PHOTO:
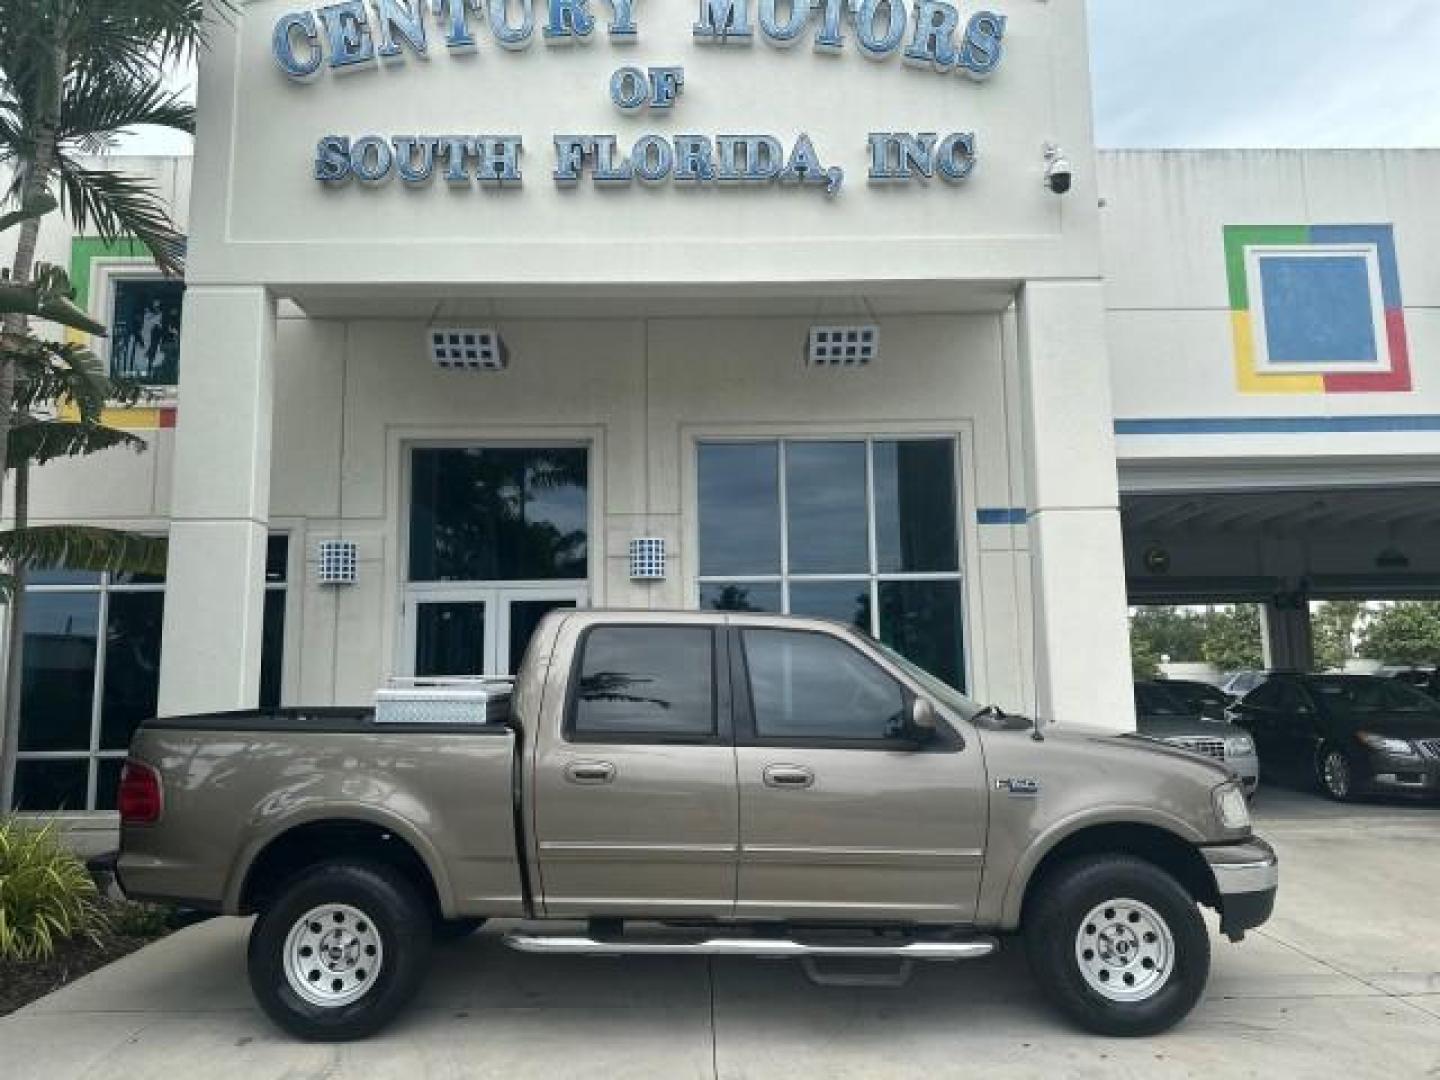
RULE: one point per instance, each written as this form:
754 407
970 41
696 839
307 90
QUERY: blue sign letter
349 33
283 44
934 42
723 21
569 19
399 15
983 49
878 46
622 20
511 37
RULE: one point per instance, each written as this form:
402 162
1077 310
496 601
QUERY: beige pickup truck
697 784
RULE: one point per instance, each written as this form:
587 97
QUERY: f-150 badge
1019 787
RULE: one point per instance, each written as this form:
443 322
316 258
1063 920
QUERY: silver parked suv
1162 714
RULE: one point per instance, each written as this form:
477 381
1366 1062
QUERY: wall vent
337 562
647 559
467 349
843 346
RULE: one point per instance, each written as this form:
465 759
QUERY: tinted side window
810 686
656 681
1289 698
1264 697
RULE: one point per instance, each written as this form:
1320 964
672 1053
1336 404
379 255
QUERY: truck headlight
1231 807
1386 745
1239 746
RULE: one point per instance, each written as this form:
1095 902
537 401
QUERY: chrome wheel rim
1125 950
333 955
1335 771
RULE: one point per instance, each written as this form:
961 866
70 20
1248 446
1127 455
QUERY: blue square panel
1318 309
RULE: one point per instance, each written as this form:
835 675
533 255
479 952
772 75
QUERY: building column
1082 633
1287 634
220 507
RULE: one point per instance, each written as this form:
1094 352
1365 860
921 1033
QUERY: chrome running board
764 948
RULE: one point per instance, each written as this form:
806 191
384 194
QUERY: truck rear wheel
1118 945
339 950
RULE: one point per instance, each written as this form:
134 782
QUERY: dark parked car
1349 734
1200 697
1242 682
1426 679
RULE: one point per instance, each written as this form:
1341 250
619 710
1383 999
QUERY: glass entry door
477 630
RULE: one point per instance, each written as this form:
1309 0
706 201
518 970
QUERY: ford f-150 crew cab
699 784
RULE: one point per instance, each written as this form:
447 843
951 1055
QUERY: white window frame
1255 257
105 273
874 577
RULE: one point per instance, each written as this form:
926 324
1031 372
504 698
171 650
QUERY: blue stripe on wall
1278 425
1003 516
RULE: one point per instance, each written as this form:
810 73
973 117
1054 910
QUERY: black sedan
1349 734
1201 698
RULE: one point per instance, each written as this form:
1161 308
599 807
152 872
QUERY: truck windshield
943 693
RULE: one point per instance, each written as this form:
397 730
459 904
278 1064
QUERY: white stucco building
635 357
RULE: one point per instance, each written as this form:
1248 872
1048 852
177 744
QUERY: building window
865 531
499 514
84 692
145 329
272 649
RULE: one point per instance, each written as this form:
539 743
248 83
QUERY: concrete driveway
1345 981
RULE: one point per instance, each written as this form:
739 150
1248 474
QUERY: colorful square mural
1317 310
140 344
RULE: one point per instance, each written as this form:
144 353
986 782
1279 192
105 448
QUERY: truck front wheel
1118 945
339 950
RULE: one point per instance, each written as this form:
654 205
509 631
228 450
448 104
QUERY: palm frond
96 107
48 373
83 547
48 295
118 206
38 442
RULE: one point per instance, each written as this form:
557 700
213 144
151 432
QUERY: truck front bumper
1247 877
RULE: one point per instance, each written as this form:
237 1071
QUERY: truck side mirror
923 723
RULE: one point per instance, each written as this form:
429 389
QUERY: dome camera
1059 174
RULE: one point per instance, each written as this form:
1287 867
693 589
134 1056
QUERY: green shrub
46 894
129 919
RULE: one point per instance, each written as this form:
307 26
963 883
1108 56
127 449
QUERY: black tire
390 908
451 930
1055 918
1334 773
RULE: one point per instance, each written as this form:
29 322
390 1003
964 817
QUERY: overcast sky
1245 73
1236 73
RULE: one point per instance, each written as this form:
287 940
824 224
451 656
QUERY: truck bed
243 782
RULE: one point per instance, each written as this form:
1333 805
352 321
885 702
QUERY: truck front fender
1146 821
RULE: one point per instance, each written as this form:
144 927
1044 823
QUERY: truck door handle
590 772
789 776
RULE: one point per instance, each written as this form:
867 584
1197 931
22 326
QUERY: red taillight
140 801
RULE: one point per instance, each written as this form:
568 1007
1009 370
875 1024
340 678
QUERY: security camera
1059 175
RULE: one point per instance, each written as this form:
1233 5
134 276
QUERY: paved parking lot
1345 981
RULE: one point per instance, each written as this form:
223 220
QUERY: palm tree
47 375
73 75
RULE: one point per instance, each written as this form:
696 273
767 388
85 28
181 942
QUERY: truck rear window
646 681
